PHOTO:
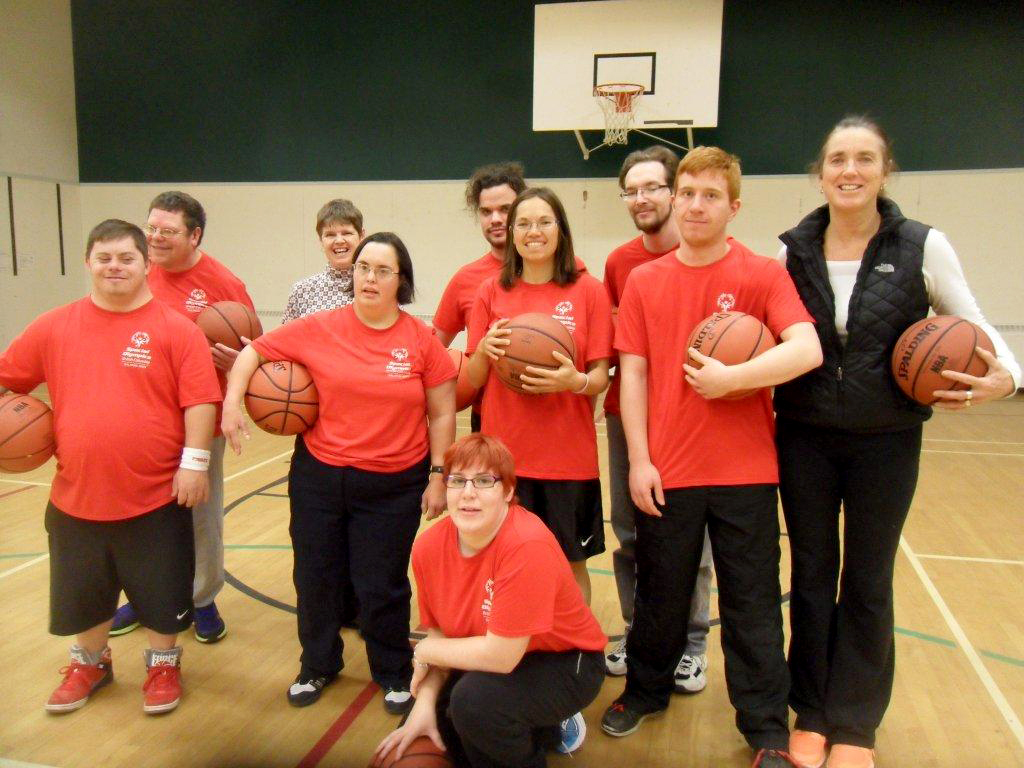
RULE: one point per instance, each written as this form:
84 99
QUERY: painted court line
965 644
24 482
976 453
958 559
16 490
23 566
263 463
338 728
4 763
957 440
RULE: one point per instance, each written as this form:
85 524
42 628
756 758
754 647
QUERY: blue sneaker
125 620
573 731
209 625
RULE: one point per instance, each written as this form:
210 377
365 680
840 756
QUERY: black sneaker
773 758
397 700
621 720
305 690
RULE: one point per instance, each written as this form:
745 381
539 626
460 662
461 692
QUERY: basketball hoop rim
622 95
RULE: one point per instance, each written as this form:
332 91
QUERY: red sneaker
80 680
162 688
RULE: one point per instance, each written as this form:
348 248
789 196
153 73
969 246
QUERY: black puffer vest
854 388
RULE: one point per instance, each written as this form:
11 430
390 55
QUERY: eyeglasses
381 273
522 226
163 231
647 191
479 482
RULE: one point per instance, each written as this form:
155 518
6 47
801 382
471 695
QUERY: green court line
923 636
21 554
602 571
1004 659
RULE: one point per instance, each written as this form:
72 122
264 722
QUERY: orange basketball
282 399
933 345
534 337
227 321
731 338
465 393
421 753
26 433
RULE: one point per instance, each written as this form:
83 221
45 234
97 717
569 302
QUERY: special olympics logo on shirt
726 301
563 307
196 301
485 606
400 367
563 314
198 294
134 356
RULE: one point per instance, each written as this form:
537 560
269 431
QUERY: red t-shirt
118 383
620 263
520 584
372 385
457 300
693 441
552 437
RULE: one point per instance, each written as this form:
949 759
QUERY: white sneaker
574 731
689 675
615 661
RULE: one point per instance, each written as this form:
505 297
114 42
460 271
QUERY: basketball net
618 101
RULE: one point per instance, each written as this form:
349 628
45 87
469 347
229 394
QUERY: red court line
338 728
16 490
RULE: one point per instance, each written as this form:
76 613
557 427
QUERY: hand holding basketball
712 379
994 385
545 381
419 734
496 339
224 356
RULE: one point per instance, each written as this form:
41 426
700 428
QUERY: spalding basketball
282 399
933 345
731 338
465 393
421 753
226 322
26 433
534 337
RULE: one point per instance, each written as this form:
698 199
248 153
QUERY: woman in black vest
847 435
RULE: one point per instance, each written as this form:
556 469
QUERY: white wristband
195 458
586 383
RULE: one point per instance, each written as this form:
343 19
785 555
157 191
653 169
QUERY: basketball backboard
671 47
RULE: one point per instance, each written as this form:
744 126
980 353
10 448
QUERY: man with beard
645 181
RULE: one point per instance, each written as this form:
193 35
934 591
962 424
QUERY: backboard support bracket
587 152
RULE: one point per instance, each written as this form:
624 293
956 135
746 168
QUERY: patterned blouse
329 289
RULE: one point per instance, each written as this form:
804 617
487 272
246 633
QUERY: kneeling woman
512 651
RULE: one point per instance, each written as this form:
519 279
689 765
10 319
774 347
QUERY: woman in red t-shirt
550 428
359 476
512 652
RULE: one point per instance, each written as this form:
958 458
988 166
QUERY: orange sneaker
162 688
849 756
807 748
80 680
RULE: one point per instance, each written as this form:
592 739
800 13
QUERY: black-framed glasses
479 482
648 190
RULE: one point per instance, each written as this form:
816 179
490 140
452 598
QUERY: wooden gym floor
957 701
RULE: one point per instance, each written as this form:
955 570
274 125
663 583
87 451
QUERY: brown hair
857 121
338 212
701 159
190 209
115 229
493 175
565 256
653 154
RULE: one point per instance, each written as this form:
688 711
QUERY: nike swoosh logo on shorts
586 541
182 615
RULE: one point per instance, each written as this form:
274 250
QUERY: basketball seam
546 335
927 354
19 431
229 325
735 319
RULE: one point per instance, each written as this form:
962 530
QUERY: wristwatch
435 469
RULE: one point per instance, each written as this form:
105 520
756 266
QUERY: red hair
483 451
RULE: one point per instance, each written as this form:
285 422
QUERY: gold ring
970 394
968 402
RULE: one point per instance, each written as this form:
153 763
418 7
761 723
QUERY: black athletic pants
491 720
841 655
351 523
743 524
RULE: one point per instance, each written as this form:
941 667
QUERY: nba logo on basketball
726 301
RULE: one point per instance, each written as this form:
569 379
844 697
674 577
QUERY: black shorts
572 509
151 557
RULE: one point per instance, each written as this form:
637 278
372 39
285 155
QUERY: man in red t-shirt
188 279
127 370
646 183
699 460
490 192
